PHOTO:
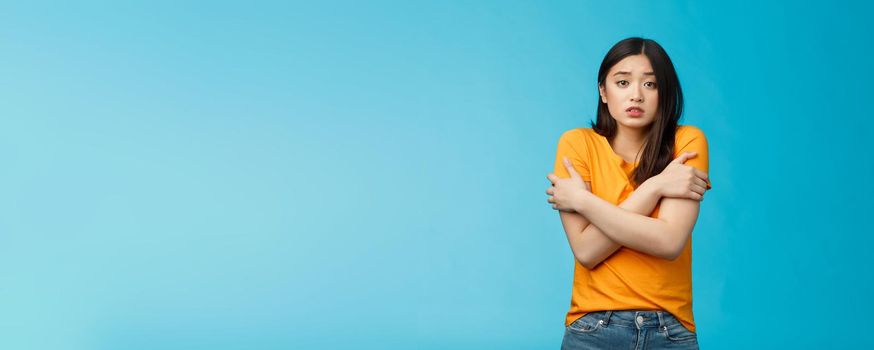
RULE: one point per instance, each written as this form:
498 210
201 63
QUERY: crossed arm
589 244
663 237
597 228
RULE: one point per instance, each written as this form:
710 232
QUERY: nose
637 94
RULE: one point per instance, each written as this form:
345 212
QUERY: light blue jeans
628 329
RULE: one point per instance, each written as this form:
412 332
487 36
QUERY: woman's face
630 92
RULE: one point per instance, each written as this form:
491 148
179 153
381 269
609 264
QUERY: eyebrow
629 73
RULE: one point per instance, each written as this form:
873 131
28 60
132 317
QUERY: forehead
636 64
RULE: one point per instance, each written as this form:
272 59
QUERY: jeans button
640 320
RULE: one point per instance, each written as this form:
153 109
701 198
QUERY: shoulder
688 133
690 138
577 134
579 141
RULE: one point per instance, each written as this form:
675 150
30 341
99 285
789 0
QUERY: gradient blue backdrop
193 175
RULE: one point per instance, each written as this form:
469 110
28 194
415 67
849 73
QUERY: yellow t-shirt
628 279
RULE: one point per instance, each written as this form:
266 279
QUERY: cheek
652 101
652 97
615 98
615 108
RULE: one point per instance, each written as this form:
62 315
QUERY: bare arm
663 237
676 182
591 246
666 235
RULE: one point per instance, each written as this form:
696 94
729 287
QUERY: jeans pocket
586 324
676 332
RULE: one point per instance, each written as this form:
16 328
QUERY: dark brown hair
658 149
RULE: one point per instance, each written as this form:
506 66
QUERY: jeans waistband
632 318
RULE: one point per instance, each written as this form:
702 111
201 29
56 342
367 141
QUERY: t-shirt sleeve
693 140
572 145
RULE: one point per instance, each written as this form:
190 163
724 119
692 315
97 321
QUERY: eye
650 84
622 83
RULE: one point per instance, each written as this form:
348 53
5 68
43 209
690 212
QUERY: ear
603 92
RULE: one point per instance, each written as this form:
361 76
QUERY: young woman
628 192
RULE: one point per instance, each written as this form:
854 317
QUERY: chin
636 123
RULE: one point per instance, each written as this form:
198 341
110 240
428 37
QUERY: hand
565 193
679 180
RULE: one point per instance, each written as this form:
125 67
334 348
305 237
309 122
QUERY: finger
549 191
698 181
699 189
552 178
684 157
550 200
570 168
696 196
700 174
680 159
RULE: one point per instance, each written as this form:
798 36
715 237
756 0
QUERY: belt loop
607 317
662 324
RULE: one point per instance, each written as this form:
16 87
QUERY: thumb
570 169
684 157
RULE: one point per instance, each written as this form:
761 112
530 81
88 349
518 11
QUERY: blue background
181 175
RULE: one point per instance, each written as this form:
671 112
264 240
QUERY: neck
630 137
628 142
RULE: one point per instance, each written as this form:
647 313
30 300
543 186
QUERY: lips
634 112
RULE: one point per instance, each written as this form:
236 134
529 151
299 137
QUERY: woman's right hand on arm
679 180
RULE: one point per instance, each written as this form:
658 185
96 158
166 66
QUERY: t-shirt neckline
616 158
